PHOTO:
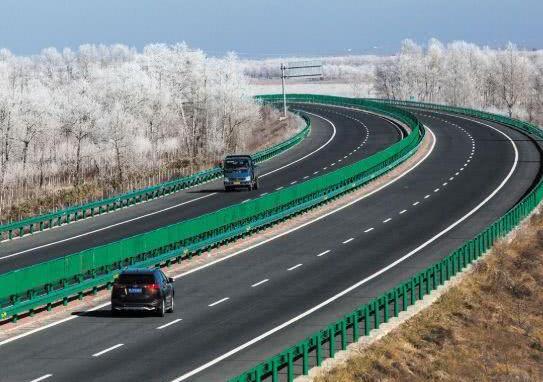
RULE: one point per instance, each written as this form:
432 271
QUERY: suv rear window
136 279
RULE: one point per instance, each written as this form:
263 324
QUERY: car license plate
236 182
134 290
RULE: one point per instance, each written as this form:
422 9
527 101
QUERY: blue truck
240 172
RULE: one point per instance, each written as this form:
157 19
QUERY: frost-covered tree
513 75
465 74
112 114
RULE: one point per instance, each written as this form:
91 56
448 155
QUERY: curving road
325 149
238 311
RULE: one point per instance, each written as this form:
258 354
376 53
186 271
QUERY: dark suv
240 171
142 290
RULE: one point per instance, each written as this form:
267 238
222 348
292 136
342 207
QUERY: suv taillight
153 287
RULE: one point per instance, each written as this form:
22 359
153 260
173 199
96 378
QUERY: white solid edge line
22 335
260 283
106 227
218 302
323 253
107 350
311 153
170 323
294 267
42 378
177 205
361 282
241 251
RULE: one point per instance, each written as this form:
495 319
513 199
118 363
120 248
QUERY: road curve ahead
338 137
251 306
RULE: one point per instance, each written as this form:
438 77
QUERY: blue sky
258 28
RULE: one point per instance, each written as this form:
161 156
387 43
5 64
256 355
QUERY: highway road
338 137
241 310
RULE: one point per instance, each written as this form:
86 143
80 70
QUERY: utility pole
298 69
283 67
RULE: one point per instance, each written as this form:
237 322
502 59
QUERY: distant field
336 88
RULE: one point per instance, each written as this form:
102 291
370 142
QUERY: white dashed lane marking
387 220
323 253
43 377
107 350
368 230
348 240
169 323
294 267
260 283
218 302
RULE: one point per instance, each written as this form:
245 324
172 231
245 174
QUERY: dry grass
487 328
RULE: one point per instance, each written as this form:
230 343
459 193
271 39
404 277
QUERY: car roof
138 271
237 156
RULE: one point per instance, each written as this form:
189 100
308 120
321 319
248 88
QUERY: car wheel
115 312
161 309
171 307
226 188
256 184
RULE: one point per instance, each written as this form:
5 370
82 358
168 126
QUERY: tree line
110 112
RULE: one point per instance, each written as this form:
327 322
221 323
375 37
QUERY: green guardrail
311 351
78 212
23 290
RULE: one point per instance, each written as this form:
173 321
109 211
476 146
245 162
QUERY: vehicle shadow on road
107 314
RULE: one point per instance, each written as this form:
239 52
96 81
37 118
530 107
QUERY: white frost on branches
464 74
110 110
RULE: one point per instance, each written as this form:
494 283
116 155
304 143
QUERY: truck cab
239 172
